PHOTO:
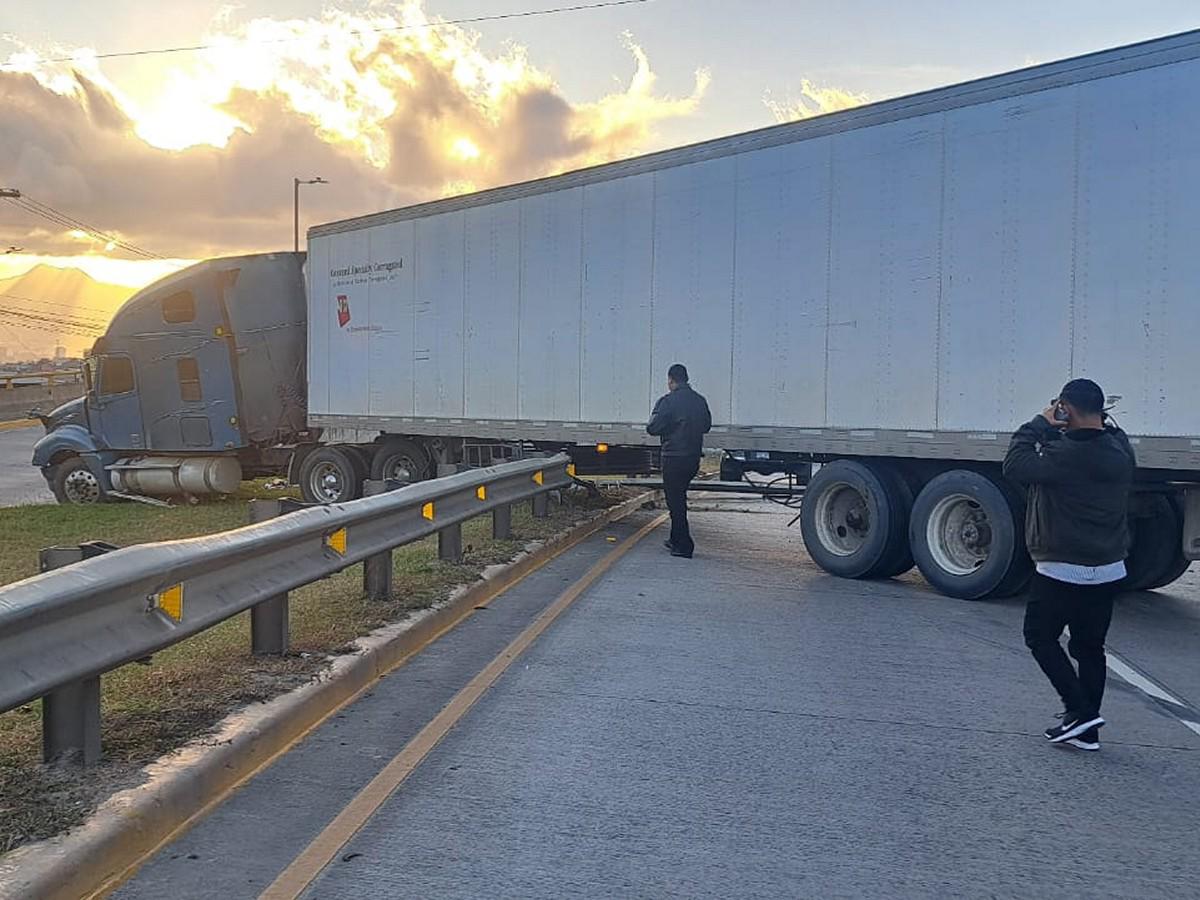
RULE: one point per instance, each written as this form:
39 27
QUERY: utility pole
296 182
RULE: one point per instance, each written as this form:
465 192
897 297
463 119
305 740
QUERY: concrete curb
96 857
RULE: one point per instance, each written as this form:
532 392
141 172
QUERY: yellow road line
492 591
301 872
18 423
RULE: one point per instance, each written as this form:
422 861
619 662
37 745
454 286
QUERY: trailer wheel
402 460
967 536
73 482
901 495
361 458
1155 556
852 520
329 475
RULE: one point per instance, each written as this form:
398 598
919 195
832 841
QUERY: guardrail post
71 714
268 619
450 545
502 523
71 723
377 569
541 505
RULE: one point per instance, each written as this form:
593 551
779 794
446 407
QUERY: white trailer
888 291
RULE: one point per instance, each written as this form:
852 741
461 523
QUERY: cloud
387 110
813 100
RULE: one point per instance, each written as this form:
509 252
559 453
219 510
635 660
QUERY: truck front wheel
329 475
967 536
854 520
73 482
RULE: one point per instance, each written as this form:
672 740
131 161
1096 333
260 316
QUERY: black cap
1083 394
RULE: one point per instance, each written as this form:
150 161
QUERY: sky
189 155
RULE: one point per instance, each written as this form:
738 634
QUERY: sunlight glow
135 273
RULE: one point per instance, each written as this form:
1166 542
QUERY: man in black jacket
681 419
1079 470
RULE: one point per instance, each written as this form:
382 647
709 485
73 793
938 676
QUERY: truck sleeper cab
196 377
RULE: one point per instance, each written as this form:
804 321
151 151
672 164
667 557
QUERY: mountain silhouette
47 307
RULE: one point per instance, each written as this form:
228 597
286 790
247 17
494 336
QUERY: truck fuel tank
177 475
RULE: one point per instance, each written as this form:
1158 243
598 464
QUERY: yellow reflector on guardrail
427 511
170 602
337 541
539 478
481 492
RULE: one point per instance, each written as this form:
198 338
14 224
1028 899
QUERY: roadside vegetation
149 710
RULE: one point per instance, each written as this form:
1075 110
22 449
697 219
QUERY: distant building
60 352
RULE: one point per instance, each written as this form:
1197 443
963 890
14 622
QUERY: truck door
189 396
114 414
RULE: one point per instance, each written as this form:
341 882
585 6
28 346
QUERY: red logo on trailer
343 310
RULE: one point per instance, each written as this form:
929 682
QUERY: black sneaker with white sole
1072 726
1089 740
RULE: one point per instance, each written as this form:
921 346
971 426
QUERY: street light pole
11 194
296 182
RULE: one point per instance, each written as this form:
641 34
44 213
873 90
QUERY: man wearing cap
1078 468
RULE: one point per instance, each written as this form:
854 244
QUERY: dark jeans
678 472
1087 610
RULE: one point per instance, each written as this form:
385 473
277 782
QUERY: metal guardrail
61 630
39 379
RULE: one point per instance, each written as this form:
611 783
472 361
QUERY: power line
56 310
61 305
52 215
49 213
473 20
57 330
34 320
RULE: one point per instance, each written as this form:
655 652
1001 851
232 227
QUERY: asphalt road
740 725
20 482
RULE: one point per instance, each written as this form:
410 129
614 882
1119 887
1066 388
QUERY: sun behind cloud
387 109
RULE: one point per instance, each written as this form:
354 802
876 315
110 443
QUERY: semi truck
884 293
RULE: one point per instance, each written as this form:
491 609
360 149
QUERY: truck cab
195 376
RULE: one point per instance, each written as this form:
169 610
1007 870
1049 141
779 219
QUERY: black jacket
681 419
1078 492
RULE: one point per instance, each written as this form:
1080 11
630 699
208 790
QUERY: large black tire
330 475
1181 563
853 521
1020 571
74 483
361 458
1157 546
403 460
901 494
966 533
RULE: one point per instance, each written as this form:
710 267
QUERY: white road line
1127 673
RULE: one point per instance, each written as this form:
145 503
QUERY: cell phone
1060 414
